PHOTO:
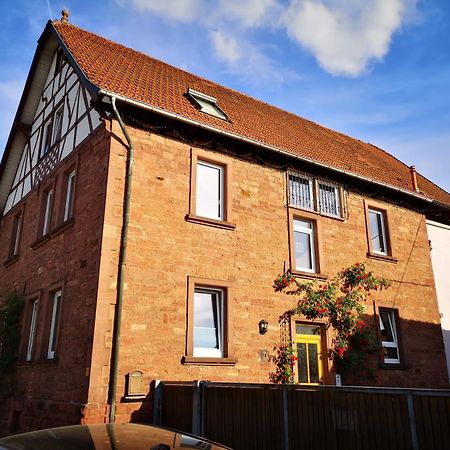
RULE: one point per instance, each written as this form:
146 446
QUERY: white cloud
227 47
180 10
346 36
249 13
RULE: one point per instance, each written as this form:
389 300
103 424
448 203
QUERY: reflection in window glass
304 246
389 336
377 232
209 191
208 323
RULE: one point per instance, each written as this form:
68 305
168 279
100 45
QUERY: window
52 341
57 128
206 104
210 193
329 200
379 240
70 191
304 246
301 192
389 337
208 322
32 330
15 237
48 203
377 232
46 139
312 194
208 327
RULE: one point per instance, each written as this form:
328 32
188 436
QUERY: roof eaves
248 140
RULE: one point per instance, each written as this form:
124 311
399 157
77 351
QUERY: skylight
207 104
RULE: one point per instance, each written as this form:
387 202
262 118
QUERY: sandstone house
145 213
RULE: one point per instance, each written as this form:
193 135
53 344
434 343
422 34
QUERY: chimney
412 169
65 16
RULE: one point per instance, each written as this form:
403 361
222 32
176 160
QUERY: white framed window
54 326
206 104
208 322
70 191
210 190
15 241
304 245
32 331
301 191
57 125
389 337
46 139
377 232
47 212
314 194
329 200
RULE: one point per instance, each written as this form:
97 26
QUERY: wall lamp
263 326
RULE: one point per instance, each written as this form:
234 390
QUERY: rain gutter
121 267
257 143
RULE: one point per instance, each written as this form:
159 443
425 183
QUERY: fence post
196 408
157 402
285 419
412 422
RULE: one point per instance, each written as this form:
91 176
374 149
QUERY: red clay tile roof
132 74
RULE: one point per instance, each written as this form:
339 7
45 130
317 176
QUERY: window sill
202 361
11 260
308 275
62 226
386 258
38 362
394 366
210 222
40 241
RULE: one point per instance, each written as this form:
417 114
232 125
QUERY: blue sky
378 70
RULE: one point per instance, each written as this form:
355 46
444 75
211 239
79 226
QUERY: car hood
126 436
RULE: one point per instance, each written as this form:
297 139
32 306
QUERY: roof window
206 104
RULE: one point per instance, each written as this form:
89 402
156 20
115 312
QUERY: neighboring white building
439 235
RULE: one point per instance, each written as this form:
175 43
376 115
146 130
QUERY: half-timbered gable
64 117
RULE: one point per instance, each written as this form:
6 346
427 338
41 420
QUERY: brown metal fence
262 416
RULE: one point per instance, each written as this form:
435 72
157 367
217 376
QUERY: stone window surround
220 160
225 286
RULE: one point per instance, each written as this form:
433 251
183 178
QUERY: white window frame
32 333
46 138
57 125
17 230
292 195
337 204
386 344
207 104
70 191
381 230
221 183
220 307
47 212
298 228
56 313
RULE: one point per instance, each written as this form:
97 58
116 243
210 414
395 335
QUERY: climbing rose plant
341 302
